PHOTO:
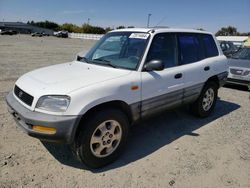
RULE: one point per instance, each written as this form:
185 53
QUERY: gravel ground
173 149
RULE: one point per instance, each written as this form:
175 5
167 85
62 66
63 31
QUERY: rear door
162 89
193 58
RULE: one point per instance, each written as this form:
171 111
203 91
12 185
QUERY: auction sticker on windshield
139 35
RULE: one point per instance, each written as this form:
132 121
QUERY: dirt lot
173 149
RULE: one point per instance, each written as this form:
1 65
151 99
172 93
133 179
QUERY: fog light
48 130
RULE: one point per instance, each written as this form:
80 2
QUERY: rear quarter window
209 45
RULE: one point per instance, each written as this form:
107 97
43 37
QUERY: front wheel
102 138
205 104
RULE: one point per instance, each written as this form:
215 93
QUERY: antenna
148 20
161 21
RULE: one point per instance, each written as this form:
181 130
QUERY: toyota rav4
91 102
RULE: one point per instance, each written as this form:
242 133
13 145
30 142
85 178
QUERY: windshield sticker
139 35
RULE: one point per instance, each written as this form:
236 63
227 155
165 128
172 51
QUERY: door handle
206 68
177 76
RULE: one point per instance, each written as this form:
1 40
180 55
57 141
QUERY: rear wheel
205 104
102 138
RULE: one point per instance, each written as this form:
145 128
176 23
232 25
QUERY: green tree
45 24
92 29
227 31
107 29
120 27
201 29
71 28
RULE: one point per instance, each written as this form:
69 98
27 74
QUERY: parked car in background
45 34
8 32
36 34
239 67
62 34
228 48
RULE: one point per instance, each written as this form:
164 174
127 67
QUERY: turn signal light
48 130
134 87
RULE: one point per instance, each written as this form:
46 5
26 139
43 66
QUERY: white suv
129 74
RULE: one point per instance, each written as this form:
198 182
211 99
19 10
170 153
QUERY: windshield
228 46
244 53
119 50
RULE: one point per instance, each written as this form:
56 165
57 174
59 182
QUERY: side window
163 47
223 46
210 46
190 48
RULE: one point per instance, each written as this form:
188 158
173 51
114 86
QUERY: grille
236 71
23 96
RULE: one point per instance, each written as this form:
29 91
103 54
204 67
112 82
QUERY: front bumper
239 80
65 125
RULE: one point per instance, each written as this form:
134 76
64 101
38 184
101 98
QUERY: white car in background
239 67
128 75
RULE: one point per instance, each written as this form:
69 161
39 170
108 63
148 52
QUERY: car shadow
149 136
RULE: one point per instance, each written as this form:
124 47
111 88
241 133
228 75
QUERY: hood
67 77
242 63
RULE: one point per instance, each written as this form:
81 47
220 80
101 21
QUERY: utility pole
88 21
148 19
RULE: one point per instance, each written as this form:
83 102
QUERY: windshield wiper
107 62
101 59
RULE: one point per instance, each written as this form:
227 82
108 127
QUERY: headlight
247 72
55 103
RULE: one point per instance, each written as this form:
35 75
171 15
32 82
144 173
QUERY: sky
210 15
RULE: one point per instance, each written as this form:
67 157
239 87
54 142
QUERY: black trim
166 101
237 81
170 100
192 93
136 111
23 96
161 101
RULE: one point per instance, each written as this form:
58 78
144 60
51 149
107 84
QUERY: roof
233 38
160 30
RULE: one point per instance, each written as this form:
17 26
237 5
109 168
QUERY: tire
201 108
102 138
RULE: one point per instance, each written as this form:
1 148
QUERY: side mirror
154 65
78 58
